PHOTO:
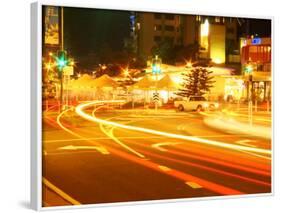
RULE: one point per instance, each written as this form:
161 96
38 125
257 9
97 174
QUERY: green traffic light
61 62
249 69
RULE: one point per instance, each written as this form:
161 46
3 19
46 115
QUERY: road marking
80 111
181 127
193 185
246 142
102 150
60 192
158 145
182 176
164 168
109 133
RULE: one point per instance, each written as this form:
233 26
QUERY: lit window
157 27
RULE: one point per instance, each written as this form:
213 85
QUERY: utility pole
249 70
156 69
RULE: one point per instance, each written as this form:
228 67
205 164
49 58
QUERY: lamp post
61 62
156 69
249 71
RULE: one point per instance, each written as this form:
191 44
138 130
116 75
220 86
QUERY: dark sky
261 27
89 30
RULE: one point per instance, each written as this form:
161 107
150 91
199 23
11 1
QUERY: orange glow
80 111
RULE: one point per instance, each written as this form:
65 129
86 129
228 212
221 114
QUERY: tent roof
105 81
167 83
144 83
85 81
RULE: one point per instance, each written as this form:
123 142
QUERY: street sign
156 96
68 70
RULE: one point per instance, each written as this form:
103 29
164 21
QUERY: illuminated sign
256 41
51 25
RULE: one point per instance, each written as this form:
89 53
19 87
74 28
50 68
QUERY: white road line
120 143
193 185
164 168
158 145
60 192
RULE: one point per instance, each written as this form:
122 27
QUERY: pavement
91 162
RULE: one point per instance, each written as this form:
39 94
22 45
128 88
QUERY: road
88 162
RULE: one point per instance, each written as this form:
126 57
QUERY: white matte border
36 96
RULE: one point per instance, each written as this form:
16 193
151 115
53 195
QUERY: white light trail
80 111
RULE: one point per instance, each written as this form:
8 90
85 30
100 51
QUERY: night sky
87 31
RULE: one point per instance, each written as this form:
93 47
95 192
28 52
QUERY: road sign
68 70
156 96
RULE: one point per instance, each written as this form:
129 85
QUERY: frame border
36 102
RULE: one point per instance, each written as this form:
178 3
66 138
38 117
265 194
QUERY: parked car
197 103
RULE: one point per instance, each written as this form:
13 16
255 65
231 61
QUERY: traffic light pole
61 90
250 102
156 90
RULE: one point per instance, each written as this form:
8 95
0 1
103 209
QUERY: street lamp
126 72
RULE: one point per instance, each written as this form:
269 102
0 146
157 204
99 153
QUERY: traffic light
249 69
61 60
156 65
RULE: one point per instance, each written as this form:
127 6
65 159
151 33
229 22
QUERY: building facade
256 67
153 28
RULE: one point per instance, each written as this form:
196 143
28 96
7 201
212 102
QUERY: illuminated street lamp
126 72
48 66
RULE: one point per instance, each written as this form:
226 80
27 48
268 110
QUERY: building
218 39
256 67
217 36
152 28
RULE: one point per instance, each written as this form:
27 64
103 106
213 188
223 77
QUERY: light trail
217 188
207 168
111 135
80 111
221 162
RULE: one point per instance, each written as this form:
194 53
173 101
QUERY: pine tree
196 82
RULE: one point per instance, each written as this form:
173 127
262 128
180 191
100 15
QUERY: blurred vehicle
197 103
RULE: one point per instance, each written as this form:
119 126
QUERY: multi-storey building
218 39
217 36
256 67
152 28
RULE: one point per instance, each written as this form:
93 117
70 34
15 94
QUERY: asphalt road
89 163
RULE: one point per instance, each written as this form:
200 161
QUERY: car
197 103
